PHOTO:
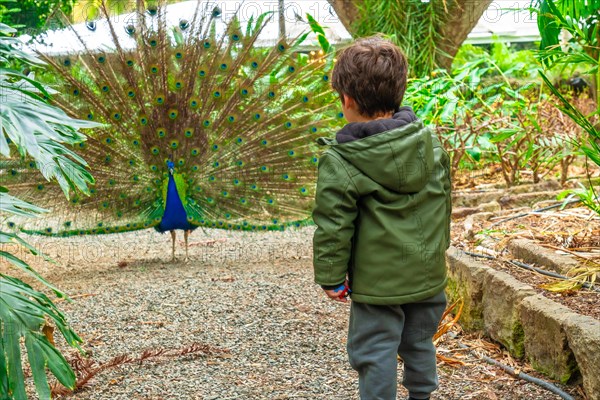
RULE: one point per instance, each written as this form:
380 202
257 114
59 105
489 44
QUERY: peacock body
199 128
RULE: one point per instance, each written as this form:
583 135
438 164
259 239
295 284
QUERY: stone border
554 339
532 253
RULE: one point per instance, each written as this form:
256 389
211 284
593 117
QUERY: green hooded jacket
383 212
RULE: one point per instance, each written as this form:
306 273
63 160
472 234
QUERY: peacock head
171 166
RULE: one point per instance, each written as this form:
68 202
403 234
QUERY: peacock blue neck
174 216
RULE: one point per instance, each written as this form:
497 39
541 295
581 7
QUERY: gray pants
377 334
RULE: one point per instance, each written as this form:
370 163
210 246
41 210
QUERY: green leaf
23 312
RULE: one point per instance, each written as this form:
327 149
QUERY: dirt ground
251 298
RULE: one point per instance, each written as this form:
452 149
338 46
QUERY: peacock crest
199 127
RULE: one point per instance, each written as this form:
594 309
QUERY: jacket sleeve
448 190
334 214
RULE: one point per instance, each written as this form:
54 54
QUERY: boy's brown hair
372 71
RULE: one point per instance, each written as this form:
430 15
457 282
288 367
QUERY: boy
383 223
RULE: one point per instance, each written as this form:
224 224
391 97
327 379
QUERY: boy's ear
348 101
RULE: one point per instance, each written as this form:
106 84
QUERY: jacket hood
397 153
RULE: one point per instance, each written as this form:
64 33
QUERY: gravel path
250 294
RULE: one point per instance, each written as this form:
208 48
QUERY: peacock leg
186 234
173 250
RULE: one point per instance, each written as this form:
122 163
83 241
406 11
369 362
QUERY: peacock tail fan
236 121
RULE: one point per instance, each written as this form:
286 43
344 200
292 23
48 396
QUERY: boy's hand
340 293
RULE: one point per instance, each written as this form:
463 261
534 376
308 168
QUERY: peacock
200 126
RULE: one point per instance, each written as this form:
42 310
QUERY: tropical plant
580 21
41 134
31 15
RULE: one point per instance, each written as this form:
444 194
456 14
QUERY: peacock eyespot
285 177
206 123
223 67
236 182
75 92
107 159
288 124
152 11
340 115
225 193
131 93
256 117
326 78
178 85
160 100
239 163
217 94
239 140
40 187
154 70
117 116
228 216
202 73
144 121
314 129
153 168
244 92
195 168
173 114
174 144
90 116
153 43
231 118
136 178
215 147
303 190
13 172
216 164
270 201
291 153
136 142
129 63
101 59
184 24
211 178
207 45
108 140
188 133
281 47
74 201
131 162
195 152
194 103
291 69
180 162
31 164
105 89
67 62
315 160
254 64
235 37
243 200
264 168
253 187
305 99
92 191
111 182
178 55
271 94
264 142
155 150
49 230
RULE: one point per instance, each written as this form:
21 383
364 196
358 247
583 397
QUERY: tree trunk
346 11
463 15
